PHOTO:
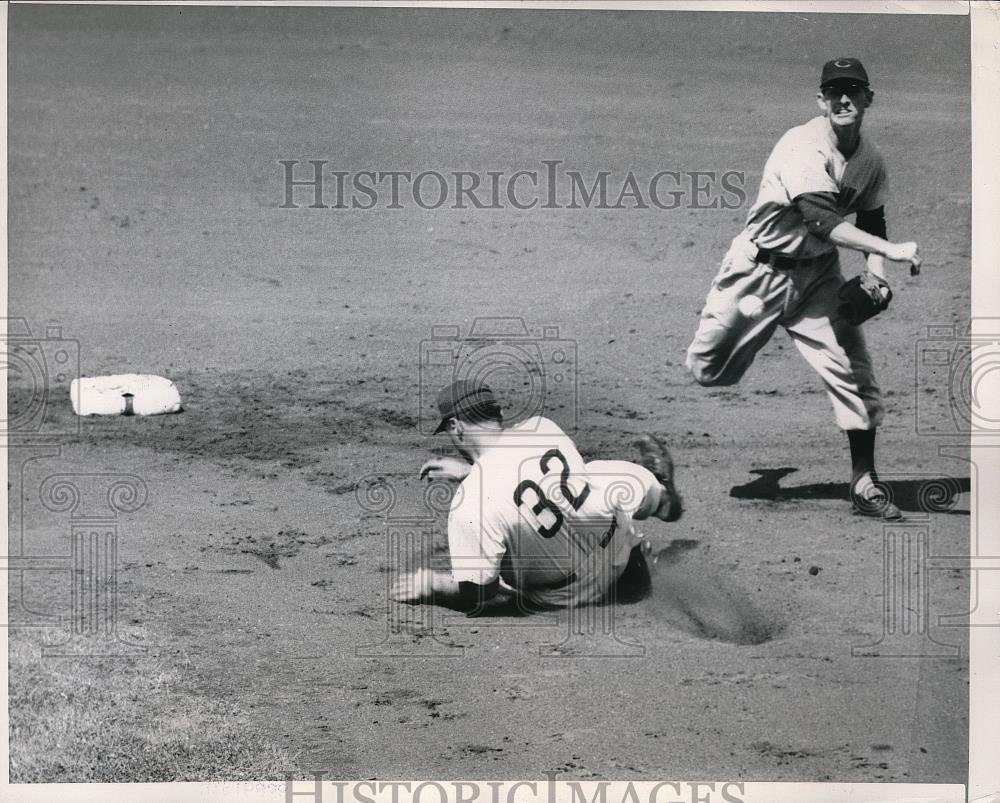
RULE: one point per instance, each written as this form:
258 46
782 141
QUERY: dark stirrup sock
862 453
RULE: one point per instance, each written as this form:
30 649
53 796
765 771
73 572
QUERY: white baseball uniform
556 529
800 292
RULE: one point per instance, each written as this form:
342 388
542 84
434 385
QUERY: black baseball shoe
655 457
870 498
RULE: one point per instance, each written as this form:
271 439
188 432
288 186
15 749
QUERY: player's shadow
927 495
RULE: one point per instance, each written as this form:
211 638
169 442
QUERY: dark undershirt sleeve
873 222
473 597
819 213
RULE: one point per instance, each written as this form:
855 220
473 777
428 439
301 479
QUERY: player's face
844 103
456 432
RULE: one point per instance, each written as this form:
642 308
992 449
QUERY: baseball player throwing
530 516
783 269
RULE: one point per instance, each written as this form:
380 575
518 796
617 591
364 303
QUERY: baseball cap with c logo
843 69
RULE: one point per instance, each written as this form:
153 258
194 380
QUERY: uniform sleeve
802 167
475 543
819 213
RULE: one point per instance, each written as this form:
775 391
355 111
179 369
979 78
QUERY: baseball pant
629 491
747 303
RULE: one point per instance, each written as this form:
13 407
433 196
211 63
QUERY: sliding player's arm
476 553
441 588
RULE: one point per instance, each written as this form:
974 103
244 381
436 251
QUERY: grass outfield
130 719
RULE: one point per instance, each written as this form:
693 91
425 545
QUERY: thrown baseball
750 306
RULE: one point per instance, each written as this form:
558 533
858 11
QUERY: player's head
844 92
466 402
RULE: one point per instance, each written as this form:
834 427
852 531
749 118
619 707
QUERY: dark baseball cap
467 400
843 69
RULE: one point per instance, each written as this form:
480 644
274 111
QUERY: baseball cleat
870 498
655 458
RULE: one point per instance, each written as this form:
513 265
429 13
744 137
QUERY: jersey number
543 503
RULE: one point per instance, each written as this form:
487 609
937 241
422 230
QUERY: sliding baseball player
530 516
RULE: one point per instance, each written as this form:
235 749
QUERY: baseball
750 306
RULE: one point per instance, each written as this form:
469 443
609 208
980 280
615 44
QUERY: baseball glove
863 297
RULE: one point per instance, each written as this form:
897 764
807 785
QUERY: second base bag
124 394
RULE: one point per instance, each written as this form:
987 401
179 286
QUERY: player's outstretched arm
445 468
875 263
847 235
872 221
440 588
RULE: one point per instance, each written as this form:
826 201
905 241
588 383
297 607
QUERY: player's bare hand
906 252
445 468
412 587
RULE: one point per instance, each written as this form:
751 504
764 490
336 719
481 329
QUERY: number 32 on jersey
530 494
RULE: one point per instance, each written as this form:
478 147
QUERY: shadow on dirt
929 495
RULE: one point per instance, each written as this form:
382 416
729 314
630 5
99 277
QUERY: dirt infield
146 220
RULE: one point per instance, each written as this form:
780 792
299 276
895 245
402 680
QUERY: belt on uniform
782 262
569 579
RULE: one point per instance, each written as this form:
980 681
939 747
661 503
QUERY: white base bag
124 394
